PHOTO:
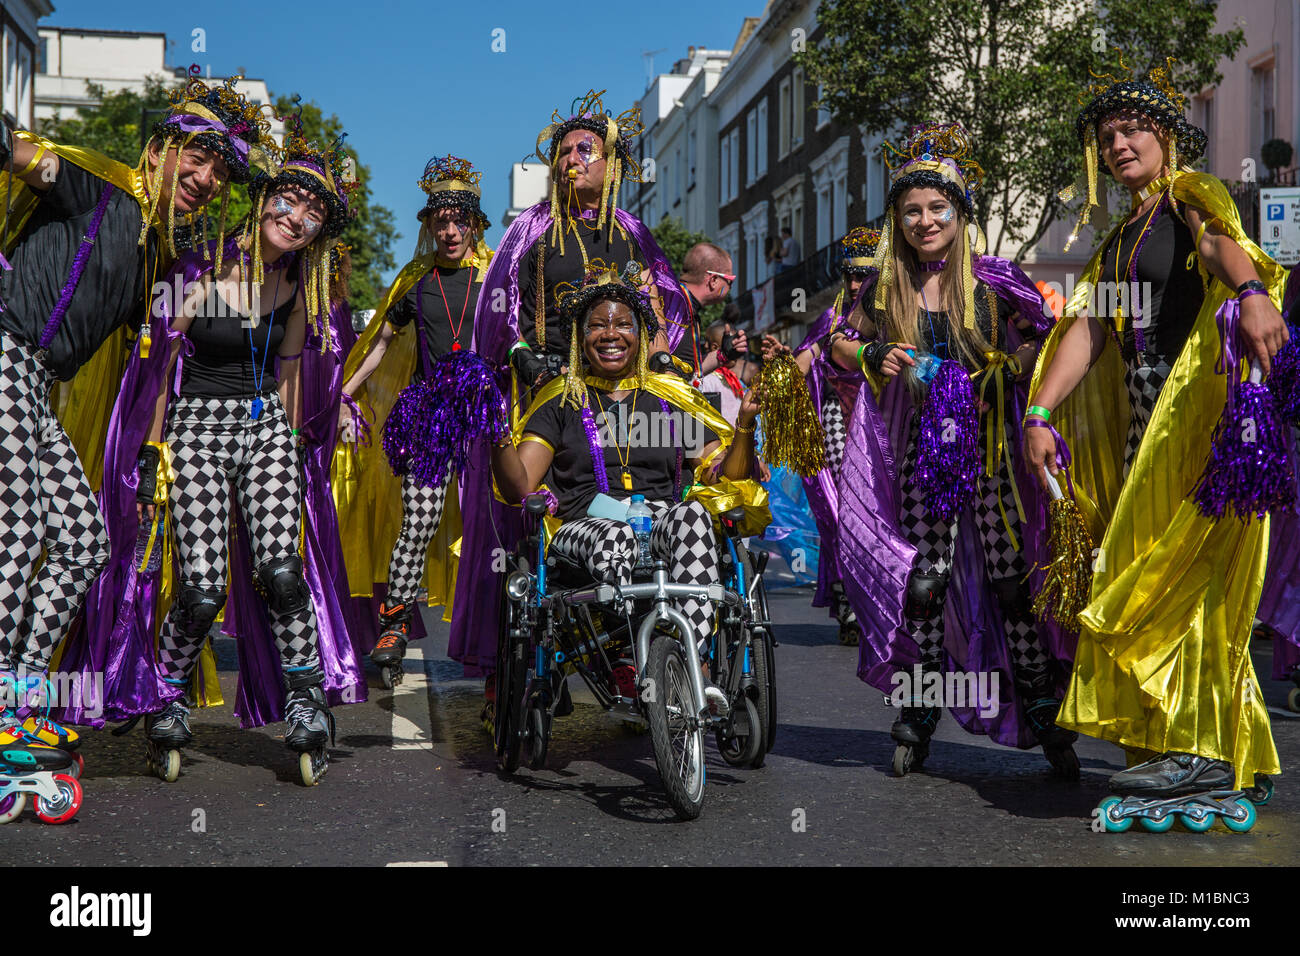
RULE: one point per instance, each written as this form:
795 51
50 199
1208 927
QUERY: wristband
861 348
1039 410
511 351
1241 296
744 431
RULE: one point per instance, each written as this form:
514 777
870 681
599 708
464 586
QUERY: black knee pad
197 608
925 595
281 585
1013 596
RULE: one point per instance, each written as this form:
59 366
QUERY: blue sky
414 79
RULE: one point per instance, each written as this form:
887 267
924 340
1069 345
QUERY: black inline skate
912 732
1293 695
394 634
1057 742
311 725
1176 787
165 734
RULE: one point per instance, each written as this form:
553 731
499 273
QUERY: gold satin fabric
1163 659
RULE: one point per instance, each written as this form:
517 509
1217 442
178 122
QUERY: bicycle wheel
510 677
760 662
677 737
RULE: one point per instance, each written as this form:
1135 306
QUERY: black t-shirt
1166 275
639 434
441 317
112 287
568 268
693 341
230 358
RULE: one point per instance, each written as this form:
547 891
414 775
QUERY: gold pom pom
1067 584
794 435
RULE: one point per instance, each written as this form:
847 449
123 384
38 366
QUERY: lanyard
74 277
259 374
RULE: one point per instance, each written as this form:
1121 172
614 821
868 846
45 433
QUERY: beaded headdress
617 132
858 251
1155 97
935 156
576 301
450 183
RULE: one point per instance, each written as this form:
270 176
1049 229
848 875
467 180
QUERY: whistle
573 174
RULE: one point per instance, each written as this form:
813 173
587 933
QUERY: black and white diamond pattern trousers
421 512
836 436
46 505
1144 383
682 535
223 458
935 540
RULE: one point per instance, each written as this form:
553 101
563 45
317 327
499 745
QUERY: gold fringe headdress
576 302
1154 97
327 173
857 258
617 132
936 156
218 119
450 182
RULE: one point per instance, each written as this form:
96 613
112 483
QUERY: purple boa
487 523
115 636
876 557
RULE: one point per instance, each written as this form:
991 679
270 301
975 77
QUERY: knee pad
925 595
197 608
1013 596
281 585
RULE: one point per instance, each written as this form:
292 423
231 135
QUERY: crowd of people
195 437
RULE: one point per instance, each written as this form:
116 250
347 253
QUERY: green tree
676 240
1011 72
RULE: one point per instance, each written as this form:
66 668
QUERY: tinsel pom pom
947 448
1250 468
793 434
1284 381
1067 584
435 421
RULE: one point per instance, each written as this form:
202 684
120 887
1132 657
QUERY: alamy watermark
974 690
83 691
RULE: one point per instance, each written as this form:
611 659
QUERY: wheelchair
645 668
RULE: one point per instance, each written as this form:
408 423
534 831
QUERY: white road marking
412 729
420 863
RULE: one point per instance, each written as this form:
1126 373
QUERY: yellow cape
1163 661
722 494
367 495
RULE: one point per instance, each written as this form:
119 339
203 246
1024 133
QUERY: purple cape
489 527
116 635
876 557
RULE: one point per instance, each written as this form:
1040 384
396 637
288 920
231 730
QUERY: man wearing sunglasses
706 279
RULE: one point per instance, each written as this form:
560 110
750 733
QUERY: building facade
19 56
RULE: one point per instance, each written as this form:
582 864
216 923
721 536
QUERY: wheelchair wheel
744 743
538 727
510 677
677 736
760 658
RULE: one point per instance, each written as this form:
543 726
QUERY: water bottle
640 518
927 366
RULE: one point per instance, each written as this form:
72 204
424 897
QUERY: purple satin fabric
198 124
115 637
876 558
488 526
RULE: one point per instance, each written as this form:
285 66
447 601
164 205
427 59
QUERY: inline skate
912 732
1177 787
395 632
165 733
311 725
28 720
1057 742
42 772
1293 695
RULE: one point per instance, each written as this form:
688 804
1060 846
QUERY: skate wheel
1113 824
902 760
312 767
1162 825
63 809
1262 792
386 677
78 765
169 768
1293 700
12 806
1196 824
1244 820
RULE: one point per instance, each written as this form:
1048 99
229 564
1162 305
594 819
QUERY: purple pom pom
1250 468
947 451
434 422
1284 381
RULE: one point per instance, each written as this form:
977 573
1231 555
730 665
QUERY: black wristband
1254 284
146 466
873 355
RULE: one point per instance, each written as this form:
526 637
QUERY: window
760 162
824 232
823 114
690 158
734 167
42 55
23 114
1262 95
677 176
785 110
1207 123
751 147
797 108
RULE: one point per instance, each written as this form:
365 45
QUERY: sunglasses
729 279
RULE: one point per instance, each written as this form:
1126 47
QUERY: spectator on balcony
790 251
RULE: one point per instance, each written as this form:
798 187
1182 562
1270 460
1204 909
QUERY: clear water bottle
927 365
640 518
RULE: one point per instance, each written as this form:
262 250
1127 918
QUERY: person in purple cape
940 524
553 244
226 422
834 392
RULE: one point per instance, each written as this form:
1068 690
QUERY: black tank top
224 363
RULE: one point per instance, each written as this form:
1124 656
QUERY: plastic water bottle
640 518
927 366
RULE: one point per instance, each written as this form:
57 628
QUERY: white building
530 183
116 60
19 45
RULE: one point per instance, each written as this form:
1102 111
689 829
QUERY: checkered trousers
1144 383
837 432
682 535
421 512
45 505
223 458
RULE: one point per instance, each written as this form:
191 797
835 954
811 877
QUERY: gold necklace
624 461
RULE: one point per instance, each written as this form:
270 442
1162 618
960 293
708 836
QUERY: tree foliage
676 240
1012 72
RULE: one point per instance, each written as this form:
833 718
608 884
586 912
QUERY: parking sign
1279 223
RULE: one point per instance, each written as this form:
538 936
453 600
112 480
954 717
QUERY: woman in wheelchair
611 429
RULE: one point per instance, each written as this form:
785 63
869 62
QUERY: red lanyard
695 341
455 329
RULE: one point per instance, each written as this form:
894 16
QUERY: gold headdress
576 300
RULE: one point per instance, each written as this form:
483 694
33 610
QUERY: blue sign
1276 211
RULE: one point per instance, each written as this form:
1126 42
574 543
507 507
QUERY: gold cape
1163 661
81 404
367 495
723 493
